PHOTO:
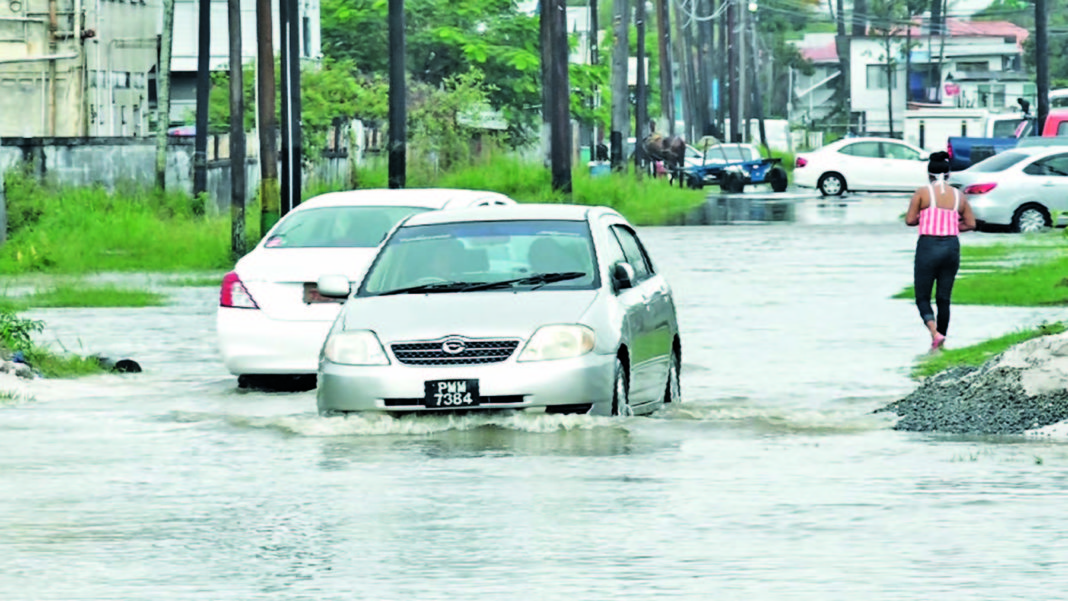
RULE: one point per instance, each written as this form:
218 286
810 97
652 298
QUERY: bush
16 333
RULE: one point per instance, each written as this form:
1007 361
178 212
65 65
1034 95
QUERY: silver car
543 308
1024 188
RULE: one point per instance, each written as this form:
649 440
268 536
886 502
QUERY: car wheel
831 184
673 389
777 179
621 391
1030 218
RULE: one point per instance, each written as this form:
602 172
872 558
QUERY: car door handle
1049 184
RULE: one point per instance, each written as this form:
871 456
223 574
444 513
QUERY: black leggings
937 259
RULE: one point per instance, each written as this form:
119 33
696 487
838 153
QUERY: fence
110 161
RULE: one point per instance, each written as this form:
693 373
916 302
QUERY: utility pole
594 58
667 84
200 152
237 134
684 45
722 74
843 45
292 161
734 112
560 117
620 85
268 122
705 54
546 43
1042 62
744 92
641 108
163 84
398 97
758 102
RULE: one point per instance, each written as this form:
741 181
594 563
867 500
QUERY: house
813 95
979 65
83 72
185 51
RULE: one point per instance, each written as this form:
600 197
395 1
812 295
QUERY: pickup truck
966 151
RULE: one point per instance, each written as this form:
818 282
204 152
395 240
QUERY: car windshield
733 153
338 227
998 162
490 255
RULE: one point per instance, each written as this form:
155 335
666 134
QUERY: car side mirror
622 276
334 286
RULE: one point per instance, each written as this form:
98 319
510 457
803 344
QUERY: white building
980 66
90 78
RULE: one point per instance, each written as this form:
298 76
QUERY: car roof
431 198
517 212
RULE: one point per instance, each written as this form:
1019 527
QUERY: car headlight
358 347
558 342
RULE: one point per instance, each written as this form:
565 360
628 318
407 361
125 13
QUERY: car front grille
475 352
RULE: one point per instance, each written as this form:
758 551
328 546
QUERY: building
84 71
185 51
980 65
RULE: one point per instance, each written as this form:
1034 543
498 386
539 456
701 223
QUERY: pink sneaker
937 342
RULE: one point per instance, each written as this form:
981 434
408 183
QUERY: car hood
472 314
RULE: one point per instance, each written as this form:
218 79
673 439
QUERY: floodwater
772 481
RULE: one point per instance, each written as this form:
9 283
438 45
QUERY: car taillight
234 294
979 188
949 150
800 162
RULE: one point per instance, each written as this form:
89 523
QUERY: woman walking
942 213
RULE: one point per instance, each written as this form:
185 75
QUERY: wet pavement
772 481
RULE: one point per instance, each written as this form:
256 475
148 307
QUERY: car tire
694 183
621 391
778 180
832 184
1031 218
673 388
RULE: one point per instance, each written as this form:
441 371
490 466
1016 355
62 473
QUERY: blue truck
966 151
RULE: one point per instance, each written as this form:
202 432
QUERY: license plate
451 393
311 295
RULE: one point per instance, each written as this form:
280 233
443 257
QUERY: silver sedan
1024 189
542 308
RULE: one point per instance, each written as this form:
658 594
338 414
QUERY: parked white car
271 319
1021 188
862 165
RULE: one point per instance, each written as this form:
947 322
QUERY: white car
862 165
271 319
1024 189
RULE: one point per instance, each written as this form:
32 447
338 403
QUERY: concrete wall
110 161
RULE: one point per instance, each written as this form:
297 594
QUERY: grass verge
76 295
1030 273
978 354
16 335
80 230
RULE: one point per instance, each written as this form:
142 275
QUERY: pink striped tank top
935 221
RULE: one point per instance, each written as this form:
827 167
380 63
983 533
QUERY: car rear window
998 162
338 227
1005 128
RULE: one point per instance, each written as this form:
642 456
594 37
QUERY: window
1062 128
998 162
306 36
338 227
499 253
1053 166
120 79
636 255
900 152
869 150
877 77
973 66
1005 128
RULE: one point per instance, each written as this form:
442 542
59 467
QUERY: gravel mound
1024 388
